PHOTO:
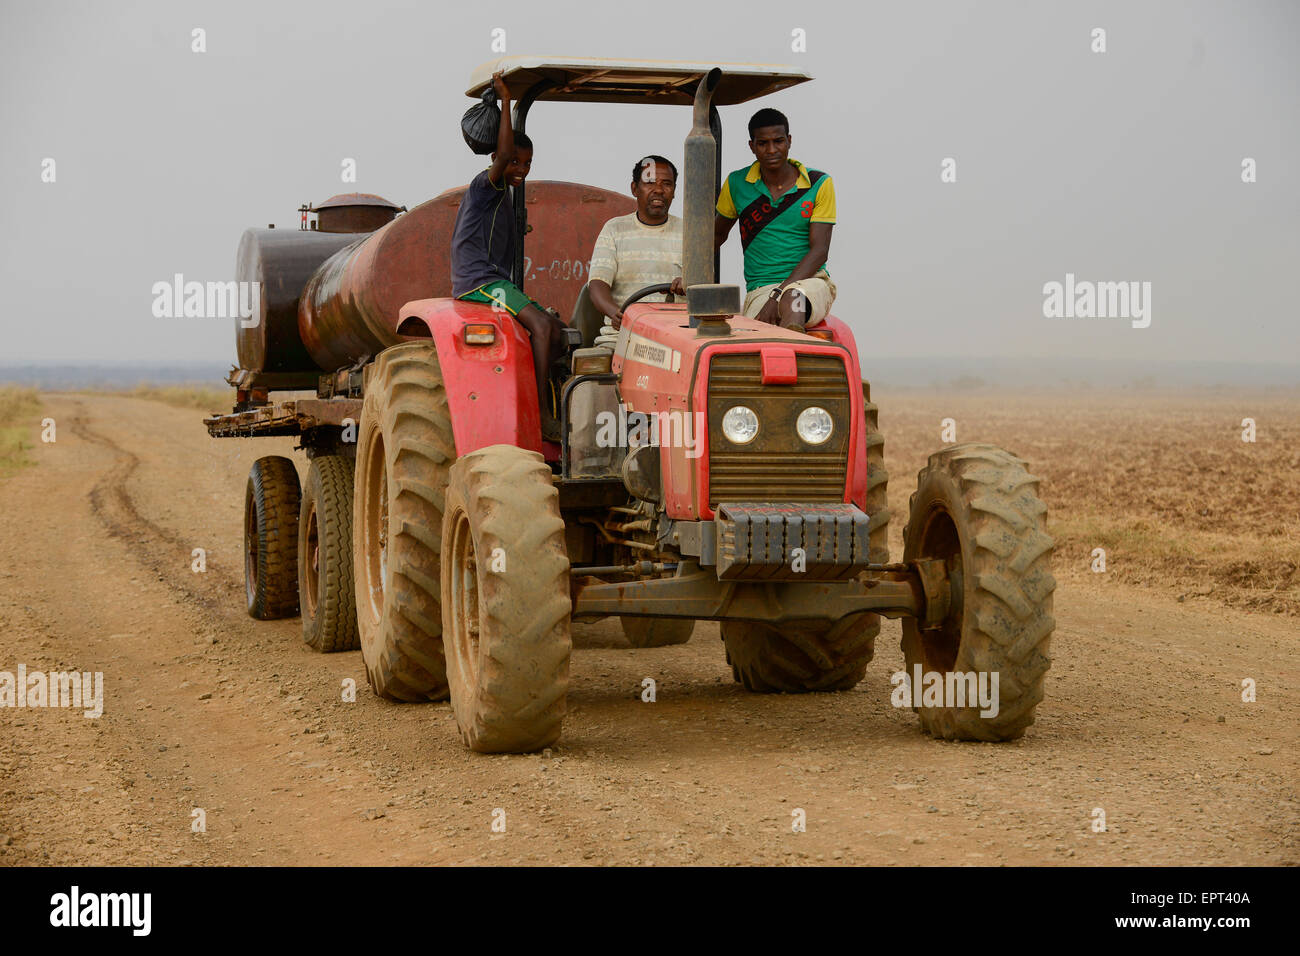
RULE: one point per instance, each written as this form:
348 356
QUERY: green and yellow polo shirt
774 251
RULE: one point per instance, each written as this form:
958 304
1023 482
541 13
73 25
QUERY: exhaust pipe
709 305
701 160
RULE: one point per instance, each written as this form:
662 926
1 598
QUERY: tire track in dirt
111 503
161 747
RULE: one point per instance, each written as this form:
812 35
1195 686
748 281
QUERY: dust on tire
271 501
998 536
405 447
506 629
326 591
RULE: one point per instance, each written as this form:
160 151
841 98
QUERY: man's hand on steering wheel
640 294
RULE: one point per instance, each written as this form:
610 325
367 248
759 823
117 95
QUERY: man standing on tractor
640 249
786 213
483 253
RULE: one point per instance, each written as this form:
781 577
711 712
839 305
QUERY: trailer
298 537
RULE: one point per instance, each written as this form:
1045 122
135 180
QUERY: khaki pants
819 291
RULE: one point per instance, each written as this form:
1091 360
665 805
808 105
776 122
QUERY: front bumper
764 540
763 561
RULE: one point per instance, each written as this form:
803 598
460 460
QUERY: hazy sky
1123 165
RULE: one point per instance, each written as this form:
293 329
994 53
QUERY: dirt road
206 709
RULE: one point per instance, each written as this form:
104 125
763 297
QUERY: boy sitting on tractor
483 253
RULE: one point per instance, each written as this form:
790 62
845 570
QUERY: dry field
1161 480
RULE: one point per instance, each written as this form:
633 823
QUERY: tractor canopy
593 80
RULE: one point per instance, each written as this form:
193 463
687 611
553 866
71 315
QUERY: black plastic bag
481 123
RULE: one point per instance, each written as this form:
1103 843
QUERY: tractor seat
586 318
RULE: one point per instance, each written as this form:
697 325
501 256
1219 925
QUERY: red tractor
713 468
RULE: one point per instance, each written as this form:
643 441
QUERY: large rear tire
404 450
977 509
271 501
656 631
505 601
327 594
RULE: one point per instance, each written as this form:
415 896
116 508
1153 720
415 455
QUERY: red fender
491 389
842 335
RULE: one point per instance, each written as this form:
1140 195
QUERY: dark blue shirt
483 240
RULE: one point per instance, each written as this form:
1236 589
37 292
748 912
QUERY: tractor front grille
777 465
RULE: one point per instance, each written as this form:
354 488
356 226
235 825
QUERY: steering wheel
640 294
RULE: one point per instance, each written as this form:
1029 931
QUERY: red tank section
350 307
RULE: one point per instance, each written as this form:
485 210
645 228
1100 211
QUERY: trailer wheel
656 632
326 591
977 509
270 539
803 656
404 449
505 600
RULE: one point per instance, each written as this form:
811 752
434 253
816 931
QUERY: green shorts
501 293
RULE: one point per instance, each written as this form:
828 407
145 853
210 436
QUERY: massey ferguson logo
647 352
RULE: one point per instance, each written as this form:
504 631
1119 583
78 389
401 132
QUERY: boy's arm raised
505 134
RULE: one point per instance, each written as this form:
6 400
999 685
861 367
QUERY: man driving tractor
640 249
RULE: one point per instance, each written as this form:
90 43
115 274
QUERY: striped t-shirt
630 255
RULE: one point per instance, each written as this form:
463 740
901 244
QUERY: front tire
505 601
977 509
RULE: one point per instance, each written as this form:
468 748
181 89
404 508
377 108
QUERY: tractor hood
658 337
687 382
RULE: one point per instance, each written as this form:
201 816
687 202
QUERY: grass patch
201 397
19 422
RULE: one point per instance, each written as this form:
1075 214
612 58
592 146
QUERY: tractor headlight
814 425
740 424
